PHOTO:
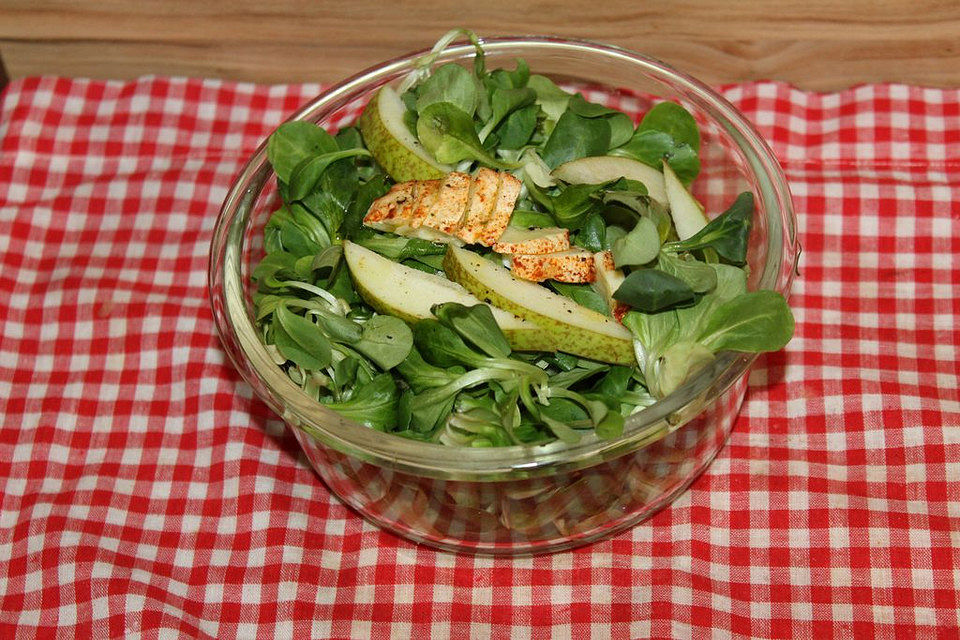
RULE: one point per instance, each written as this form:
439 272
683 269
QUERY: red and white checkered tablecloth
143 489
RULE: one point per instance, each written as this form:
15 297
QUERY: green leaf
502 103
365 195
575 137
552 99
563 361
654 331
442 346
504 79
422 375
306 175
294 142
431 407
386 340
434 261
398 248
613 234
517 129
593 234
448 83
325 263
345 373
701 277
565 411
640 246
526 219
301 341
584 295
341 180
274 268
731 282
652 290
476 325
574 204
667 132
447 132
621 129
404 410
621 126
580 106
297 231
675 121
752 322
374 404
676 365
653 147
614 384
727 234
610 427
349 138
321 206
337 328
561 430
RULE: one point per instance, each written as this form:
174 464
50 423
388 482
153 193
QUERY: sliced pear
394 289
609 279
598 169
533 240
573 328
687 214
392 144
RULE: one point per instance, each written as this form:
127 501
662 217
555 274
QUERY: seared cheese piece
608 280
533 240
507 193
393 210
447 210
480 202
573 265
453 210
426 196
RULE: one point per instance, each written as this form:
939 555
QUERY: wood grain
814 44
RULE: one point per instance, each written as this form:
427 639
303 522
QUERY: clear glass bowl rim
248 354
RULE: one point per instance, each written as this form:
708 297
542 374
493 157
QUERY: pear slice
394 289
573 328
608 280
392 144
687 213
596 169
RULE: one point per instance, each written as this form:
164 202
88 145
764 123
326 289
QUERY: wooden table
815 44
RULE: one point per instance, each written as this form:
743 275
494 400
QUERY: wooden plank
816 44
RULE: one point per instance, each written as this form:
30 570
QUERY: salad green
455 369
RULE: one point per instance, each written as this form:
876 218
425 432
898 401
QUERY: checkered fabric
143 489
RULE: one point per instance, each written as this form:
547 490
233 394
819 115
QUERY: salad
488 259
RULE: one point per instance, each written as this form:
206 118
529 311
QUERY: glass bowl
515 500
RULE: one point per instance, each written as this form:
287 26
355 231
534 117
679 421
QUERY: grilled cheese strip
445 213
426 196
393 210
608 280
480 203
453 210
533 240
507 193
573 266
